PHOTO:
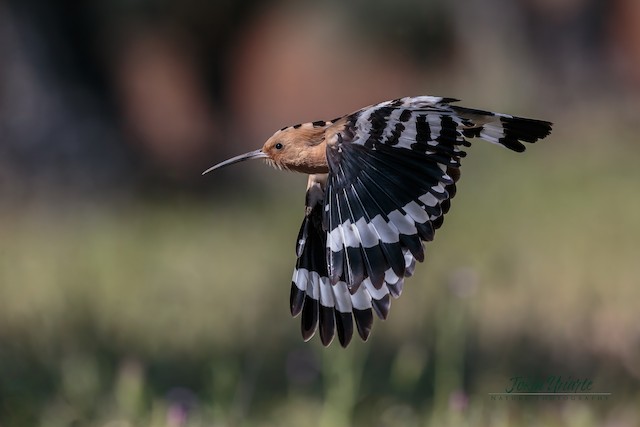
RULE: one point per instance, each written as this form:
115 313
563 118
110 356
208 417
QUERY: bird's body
380 181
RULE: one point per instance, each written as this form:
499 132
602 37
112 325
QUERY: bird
380 181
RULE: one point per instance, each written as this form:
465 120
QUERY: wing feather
393 169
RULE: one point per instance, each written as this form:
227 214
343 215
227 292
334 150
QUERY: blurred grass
175 312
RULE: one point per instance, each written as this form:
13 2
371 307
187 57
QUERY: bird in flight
381 180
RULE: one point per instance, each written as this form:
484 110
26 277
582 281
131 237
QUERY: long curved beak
257 154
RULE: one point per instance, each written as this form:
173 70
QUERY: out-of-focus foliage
134 292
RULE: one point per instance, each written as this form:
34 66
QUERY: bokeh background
134 292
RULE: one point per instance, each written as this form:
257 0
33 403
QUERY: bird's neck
312 159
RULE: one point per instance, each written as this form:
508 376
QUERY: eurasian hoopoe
380 181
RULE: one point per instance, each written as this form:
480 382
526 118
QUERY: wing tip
364 322
309 322
326 325
344 326
296 299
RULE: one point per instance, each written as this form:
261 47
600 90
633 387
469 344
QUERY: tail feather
502 129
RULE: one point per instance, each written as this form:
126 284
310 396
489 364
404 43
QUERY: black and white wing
311 292
392 173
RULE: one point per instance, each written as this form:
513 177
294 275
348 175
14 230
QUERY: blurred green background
134 292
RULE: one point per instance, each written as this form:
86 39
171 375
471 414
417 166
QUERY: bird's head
299 148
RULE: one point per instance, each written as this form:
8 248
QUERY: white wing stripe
342 297
361 300
326 293
368 236
300 278
392 120
376 294
428 199
417 213
313 285
390 276
387 233
403 222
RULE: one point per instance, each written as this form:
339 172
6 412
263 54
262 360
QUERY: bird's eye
278 146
